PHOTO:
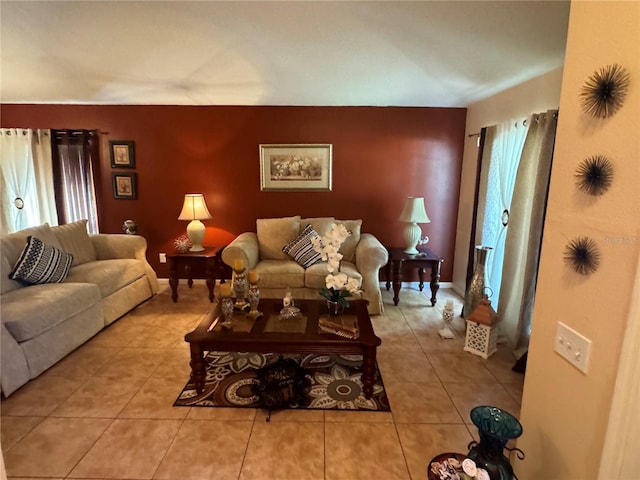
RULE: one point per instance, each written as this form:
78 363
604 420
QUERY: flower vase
335 308
476 290
495 428
253 295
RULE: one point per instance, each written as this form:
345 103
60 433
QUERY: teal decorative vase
495 427
476 289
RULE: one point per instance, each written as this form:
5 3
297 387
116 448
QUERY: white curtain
26 179
501 157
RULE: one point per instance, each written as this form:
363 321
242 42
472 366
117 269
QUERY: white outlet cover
573 346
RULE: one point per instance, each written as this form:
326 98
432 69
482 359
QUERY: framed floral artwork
124 186
122 154
296 167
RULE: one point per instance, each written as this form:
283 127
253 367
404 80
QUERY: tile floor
105 412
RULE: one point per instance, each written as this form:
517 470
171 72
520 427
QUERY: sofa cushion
74 239
301 248
348 247
11 247
108 275
29 311
320 224
41 263
275 233
280 274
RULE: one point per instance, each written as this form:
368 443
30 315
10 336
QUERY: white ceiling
424 53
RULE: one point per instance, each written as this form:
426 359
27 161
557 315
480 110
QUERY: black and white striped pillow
41 263
301 248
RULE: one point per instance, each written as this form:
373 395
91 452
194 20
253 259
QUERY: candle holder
240 288
447 318
254 299
226 307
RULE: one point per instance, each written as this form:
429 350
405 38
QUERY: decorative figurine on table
254 295
289 310
226 305
240 284
447 318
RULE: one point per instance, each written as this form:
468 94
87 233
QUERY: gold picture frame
296 167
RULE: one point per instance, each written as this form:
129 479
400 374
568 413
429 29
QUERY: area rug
335 382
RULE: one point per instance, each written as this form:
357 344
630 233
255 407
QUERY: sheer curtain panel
26 179
74 154
500 159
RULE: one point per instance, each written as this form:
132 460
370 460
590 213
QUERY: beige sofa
42 323
262 251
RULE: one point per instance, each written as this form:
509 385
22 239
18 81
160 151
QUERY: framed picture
124 186
122 154
295 167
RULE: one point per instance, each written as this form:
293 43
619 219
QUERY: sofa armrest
114 245
243 247
371 256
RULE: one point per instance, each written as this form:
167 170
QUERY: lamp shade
195 209
414 211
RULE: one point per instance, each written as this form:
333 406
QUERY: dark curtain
75 159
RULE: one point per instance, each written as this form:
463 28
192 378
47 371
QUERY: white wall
565 412
537 95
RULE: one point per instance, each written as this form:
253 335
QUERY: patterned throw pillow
41 263
301 248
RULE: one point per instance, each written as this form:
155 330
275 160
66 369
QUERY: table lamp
413 213
195 209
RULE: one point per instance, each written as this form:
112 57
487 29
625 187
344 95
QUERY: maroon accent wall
380 157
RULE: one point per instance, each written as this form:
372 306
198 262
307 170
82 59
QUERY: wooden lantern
482 330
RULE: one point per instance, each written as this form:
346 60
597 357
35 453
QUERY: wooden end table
206 265
270 334
399 260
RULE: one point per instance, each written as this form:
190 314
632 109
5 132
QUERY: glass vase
476 289
495 428
334 308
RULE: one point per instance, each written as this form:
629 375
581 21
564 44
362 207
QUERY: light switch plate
163 258
573 346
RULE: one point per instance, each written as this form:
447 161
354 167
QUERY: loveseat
262 251
43 322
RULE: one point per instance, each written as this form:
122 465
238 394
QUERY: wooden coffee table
270 334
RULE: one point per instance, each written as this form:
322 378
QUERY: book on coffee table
343 325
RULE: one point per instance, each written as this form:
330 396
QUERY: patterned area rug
335 382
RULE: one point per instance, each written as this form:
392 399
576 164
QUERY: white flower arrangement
338 284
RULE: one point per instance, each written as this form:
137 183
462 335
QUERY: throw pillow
74 238
348 248
275 233
301 248
41 263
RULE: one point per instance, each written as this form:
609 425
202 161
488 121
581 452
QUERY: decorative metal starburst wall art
582 255
604 92
594 175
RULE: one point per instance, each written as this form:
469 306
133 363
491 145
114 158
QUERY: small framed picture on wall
124 186
122 154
